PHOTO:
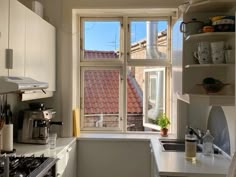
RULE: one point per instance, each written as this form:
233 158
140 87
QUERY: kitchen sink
179 146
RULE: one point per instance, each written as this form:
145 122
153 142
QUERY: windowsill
120 135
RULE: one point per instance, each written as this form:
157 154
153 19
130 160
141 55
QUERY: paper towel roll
7 137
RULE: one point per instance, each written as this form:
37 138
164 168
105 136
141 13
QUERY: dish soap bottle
190 146
207 144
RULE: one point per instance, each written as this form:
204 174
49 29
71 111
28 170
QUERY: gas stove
12 166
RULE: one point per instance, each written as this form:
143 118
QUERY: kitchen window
124 73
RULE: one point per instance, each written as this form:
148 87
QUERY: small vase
164 132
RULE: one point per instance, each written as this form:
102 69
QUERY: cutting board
76 122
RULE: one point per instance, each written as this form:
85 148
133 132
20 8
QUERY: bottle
190 146
207 148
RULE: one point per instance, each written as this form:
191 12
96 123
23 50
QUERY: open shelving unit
210 36
209 65
211 6
193 74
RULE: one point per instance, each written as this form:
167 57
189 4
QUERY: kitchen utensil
191 27
223 23
206 29
203 53
212 85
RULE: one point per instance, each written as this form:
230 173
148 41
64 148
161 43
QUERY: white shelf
208 65
210 36
211 6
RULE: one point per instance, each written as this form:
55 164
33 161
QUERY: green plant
162 120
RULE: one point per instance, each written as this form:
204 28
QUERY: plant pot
164 132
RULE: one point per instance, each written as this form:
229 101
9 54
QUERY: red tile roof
89 54
101 91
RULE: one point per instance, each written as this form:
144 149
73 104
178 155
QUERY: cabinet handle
69 149
58 174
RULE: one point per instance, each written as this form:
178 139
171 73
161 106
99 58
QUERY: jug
191 27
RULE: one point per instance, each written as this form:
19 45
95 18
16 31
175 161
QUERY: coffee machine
34 126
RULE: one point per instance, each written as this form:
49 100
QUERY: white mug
217 46
203 53
218 57
229 56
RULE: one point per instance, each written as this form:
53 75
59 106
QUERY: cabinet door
4 9
33 65
17 37
71 168
47 54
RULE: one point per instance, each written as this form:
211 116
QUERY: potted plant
163 121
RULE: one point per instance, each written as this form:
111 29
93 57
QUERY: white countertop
37 150
169 163
173 163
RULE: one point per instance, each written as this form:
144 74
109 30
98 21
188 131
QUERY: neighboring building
104 84
101 93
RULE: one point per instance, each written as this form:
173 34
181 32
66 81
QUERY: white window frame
119 128
146 97
107 60
122 63
148 62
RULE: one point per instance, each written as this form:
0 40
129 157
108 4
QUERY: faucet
198 133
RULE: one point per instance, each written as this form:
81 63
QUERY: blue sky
105 35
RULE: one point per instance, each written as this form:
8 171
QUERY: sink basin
179 146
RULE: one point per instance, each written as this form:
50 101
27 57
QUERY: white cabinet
154 169
192 73
67 164
116 158
4 6
47 54
33 42
17 37
40 49
32 46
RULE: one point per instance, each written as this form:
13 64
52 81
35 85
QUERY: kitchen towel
76 122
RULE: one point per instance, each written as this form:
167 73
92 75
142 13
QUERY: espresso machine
34 125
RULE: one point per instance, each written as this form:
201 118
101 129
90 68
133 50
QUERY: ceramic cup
229 56
217 52
203 53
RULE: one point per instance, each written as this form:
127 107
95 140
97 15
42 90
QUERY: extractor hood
20 84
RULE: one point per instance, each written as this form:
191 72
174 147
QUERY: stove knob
2 163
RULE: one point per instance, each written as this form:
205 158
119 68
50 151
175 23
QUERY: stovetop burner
27 166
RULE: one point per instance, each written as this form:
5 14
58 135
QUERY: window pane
148 39
145 97
101 39
101 98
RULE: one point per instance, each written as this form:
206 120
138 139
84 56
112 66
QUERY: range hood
20 84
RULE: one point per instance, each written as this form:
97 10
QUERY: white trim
150 12
152 126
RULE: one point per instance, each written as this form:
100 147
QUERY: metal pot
191 27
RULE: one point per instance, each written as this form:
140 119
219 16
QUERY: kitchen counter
173 163
168 163
37 150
